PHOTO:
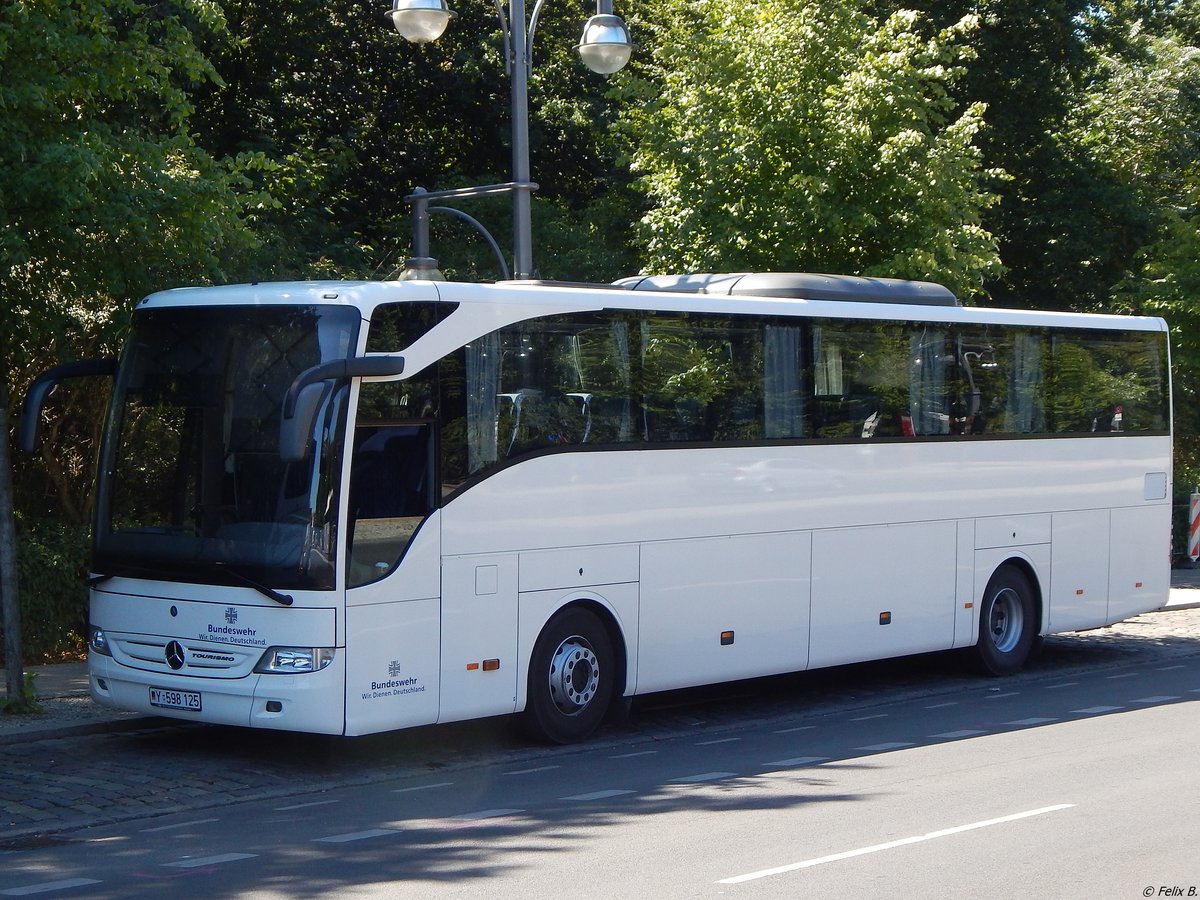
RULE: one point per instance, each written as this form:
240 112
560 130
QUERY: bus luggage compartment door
479 636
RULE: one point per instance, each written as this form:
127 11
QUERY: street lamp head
605 46
420 21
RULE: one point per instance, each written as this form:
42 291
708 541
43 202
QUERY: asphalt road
906 779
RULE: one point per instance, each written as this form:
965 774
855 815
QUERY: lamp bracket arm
506 32
533 23
478 226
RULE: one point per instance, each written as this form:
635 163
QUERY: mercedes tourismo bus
351 507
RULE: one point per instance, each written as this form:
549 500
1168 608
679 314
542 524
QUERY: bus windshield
192 486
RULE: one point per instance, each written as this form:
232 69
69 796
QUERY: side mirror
44 385
306 393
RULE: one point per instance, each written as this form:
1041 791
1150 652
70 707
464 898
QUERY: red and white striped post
1194 527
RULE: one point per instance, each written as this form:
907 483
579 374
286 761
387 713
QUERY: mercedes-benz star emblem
175 656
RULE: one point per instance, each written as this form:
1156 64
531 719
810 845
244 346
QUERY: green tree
811 137
104 194
356 118
1140 121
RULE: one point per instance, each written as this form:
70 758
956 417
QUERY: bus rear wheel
1007 623
570 678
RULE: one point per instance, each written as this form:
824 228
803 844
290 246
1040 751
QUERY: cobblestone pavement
158 767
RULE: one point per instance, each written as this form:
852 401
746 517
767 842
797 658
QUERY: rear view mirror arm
44 385
295 424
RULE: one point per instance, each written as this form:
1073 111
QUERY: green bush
52 563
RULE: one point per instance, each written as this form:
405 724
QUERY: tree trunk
9 597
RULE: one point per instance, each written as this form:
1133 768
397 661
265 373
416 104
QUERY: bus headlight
293 660
98 641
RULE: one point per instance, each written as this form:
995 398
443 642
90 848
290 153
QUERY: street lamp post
604 47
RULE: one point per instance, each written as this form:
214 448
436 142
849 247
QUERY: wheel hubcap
574 675
1006 620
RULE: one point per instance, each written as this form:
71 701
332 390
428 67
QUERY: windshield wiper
285 599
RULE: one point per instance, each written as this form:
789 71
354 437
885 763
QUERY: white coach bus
346 508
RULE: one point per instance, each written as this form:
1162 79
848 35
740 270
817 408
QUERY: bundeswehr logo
230 615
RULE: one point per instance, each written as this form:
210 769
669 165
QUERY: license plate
169 699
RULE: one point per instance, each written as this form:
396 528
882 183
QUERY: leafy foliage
26 703
808 137
52 566
354 118
104 194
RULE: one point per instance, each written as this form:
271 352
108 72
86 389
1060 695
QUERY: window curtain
483 384
927 389
1025 412
783 401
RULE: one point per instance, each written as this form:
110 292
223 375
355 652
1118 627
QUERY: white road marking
1093 710
1170 668
532 771
941 705
486 814
1126 675
632 755
999 696
890 845
46 887
962 733
704 776
718 741
304 805
798 761
1051 687
1155 699
423 787
596 795
177 825
355 836
889 745
201 861
1031 721
798 728
868 718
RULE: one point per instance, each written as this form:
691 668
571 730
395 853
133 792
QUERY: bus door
392 557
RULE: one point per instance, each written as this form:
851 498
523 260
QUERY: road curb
104 726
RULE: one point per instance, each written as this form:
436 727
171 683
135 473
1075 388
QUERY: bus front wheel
570 678
1007 623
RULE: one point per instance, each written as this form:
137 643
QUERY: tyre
571 677
1007 623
